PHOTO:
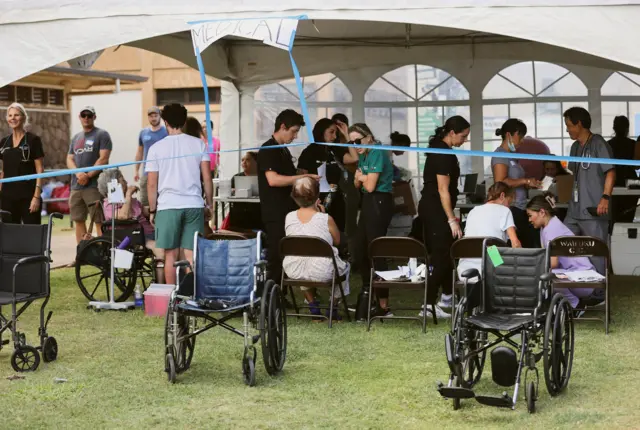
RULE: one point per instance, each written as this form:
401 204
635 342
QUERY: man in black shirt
276 175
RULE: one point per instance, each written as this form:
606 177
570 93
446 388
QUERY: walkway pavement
63 248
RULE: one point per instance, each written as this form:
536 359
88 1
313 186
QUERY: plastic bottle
124 243
139 301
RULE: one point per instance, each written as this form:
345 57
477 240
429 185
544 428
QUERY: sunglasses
86 115
355 142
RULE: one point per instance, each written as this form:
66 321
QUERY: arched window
414 100
621 96
325 95
537 93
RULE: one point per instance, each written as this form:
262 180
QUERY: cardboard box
404 201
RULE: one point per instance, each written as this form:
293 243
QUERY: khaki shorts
79 201
144 199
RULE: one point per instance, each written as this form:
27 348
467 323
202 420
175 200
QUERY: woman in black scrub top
21 154
439 195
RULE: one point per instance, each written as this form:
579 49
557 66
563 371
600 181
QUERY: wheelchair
25 257
228 278
93 263
516 302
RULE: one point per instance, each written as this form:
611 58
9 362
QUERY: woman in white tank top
310 220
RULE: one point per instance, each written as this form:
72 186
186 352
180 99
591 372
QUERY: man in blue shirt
148 136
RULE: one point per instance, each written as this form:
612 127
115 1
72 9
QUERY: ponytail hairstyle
512 126
621 126
545 201
457 124
497 189
398 139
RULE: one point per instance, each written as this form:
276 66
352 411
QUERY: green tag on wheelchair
495 256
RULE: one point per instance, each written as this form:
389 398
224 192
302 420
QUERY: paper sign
495 256
275 32
115 194
322 172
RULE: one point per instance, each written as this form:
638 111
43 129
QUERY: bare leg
170 257
384 303
81 230
98 229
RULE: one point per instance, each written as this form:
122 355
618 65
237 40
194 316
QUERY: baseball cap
89 108
153 109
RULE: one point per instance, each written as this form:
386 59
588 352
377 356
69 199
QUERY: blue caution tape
207 111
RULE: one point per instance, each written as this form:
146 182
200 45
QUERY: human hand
131 189
320 207
136 177
533 183
208 213
87 236
83 178
152 219
456 231
312 176
358 175
343 129
603 207
35 205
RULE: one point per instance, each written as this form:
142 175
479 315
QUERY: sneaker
445 301
581 309
380 312
336 314
439 312
314 309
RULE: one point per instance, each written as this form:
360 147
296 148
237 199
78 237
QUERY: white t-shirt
488 220
177 160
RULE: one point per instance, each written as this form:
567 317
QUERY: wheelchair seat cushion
224 269
7 298
499 321
190 306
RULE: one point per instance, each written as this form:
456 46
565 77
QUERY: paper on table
584 276
322 172
547 181
390 275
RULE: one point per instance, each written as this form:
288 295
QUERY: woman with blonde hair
21 154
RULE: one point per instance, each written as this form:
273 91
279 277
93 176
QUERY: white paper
390 275
322 172
115 194
547 181
584 276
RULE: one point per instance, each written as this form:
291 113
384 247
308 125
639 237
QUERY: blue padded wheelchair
228 279
25 257
516 302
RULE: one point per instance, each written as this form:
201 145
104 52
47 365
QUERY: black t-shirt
623 149
275 202
20 161
314 155
440 164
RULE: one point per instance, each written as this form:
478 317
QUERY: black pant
20 213
438 240
375 217
528 235
275 233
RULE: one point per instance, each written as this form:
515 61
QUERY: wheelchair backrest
18 241
126 228
224 269
512 287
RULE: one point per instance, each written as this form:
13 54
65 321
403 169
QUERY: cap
153 109
89 108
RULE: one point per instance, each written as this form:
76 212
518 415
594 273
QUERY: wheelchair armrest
57 215
182 263
261 263
546 277
31 260
470 273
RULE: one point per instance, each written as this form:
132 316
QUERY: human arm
124 212
554 263
370 181
501 174
82 177
34 206
447 206
139 154
609 181
205 170
152 194
513 237
335 232
277 180
350 156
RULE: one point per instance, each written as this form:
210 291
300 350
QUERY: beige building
168 80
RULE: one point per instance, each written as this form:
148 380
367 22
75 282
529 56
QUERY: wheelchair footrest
456 392
504 401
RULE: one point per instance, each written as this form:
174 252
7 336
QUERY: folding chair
583 246
399 248
306 246
468 247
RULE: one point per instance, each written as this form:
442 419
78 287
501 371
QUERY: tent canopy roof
337 36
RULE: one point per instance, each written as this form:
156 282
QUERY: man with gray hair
147 138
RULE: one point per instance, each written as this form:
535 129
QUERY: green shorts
175 228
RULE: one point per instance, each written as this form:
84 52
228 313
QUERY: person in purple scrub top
541 213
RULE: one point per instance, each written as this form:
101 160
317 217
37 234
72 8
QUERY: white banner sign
273 32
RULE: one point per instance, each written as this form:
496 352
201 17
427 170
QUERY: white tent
475 37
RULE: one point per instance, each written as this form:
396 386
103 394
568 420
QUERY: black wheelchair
25 257
93 263
515 302
228 278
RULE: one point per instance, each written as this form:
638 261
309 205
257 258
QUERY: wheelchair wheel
25 358
273 328
49 349
170 365
531 397
249 368
467 340
181 350
558 345
263 322
93 273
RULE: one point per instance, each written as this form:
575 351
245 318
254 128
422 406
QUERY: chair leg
344 303
369 308
607 310
435 318
333 287
293 300
424 311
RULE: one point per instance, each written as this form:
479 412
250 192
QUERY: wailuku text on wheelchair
516 301
228 278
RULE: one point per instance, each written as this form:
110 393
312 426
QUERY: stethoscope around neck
24 147
586 153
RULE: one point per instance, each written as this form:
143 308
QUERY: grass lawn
340 378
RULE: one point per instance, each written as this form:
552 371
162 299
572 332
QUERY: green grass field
344 378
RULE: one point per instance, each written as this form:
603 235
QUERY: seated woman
541 212
131 209
245 216
311 220
492 219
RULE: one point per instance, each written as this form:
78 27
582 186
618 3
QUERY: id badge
575 195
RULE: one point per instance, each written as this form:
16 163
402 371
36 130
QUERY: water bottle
413 268
138 297
124 243
329 198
